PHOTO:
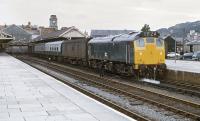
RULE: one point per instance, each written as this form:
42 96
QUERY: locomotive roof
117 38
104 33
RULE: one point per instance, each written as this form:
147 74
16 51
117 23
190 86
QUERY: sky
100 14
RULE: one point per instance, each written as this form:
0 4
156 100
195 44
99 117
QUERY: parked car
187 56
196 56
171 55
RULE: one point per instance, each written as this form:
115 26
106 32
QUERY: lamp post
175 50
173 37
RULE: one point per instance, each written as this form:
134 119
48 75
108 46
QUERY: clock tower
53 22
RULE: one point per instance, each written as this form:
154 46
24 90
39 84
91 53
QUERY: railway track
182 107
178 87
174 86
192 89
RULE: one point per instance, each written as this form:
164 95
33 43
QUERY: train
133 54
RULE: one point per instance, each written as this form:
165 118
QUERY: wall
17 49
183 76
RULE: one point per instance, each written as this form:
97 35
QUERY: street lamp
175 50
173 37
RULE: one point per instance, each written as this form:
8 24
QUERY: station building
4 39
181 46
65 34
194 45
20 38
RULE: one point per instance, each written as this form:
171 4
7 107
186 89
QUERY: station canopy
5 38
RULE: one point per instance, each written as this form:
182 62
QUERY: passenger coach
73 51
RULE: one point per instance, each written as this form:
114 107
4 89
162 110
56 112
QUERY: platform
182 65
27 94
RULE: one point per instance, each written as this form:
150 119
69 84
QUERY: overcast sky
101 14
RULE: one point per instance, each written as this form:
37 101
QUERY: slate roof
4 37
104 33
177 39
50 35
17 32
195 42
56 34
18 43
168 36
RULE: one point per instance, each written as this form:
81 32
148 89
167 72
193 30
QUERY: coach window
140 43
159 42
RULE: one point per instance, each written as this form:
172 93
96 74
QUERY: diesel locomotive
136 53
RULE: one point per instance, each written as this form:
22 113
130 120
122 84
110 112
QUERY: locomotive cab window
150 40
159 42
140 43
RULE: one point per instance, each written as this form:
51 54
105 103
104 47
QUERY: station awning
5 38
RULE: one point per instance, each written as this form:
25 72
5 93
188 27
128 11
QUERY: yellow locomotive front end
149 54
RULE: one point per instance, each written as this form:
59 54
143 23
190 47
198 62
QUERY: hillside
180 30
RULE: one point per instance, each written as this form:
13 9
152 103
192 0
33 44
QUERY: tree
145 28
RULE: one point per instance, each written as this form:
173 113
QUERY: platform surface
182 65
27 94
